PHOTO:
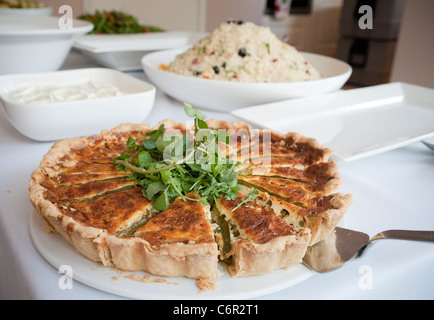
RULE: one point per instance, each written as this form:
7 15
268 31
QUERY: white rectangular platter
353 123
124 51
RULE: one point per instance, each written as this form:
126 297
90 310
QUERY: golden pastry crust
251 258
192 260
80 194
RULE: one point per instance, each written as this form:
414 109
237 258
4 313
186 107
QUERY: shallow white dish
353 123
53 121
36 43
124 51
225 96
43 11
60 253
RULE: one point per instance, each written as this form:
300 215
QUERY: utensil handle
414 235
406 235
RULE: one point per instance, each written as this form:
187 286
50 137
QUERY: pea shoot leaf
192 113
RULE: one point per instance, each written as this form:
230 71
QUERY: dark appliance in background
370 52
296 7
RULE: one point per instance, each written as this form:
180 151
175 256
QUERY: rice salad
243 52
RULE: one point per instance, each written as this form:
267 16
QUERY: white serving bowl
225 96
44 11
35 43
59 120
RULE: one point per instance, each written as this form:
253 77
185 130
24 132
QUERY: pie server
344 244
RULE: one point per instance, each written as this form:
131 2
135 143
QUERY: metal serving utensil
345 244
428 144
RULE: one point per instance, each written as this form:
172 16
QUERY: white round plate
225 96
58 253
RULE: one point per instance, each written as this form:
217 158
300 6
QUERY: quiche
285 198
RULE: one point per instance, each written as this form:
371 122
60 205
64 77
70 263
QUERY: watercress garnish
170 165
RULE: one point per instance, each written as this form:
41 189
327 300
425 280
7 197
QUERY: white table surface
393 190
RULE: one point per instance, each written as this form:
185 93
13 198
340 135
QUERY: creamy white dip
40 94
243 52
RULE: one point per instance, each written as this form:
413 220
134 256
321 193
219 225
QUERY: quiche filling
161 200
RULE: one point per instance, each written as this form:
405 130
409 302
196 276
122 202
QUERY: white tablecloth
393 190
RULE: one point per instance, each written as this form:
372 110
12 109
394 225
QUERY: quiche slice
301 199
256 240
320 214
179 241
274 150
321 178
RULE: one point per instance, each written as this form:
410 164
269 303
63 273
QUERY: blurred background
399 47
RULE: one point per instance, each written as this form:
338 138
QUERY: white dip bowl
47 121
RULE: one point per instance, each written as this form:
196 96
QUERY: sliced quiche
285 198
